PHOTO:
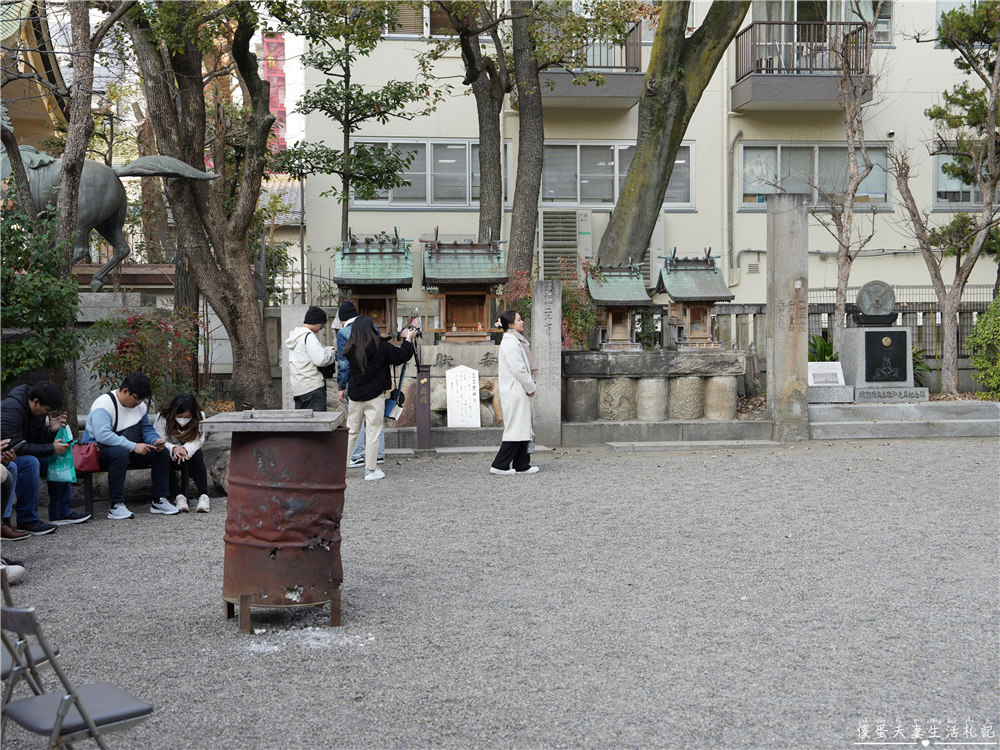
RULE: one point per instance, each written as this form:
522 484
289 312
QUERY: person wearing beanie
348 313
306 355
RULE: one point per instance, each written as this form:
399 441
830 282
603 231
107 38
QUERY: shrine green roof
373 264
693 280
619 286
463 264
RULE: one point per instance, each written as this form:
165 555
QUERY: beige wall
912 77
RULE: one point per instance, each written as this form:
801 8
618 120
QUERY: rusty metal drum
286 499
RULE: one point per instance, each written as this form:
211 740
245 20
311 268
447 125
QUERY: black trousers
315 400
196 471
513 452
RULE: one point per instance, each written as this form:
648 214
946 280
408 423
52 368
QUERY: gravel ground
755 598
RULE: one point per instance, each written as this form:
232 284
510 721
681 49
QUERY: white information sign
463 397
826 373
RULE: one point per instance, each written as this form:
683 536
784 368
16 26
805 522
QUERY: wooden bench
88 486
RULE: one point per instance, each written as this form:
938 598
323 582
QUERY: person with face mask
179 424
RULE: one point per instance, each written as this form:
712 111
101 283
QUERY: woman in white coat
516 390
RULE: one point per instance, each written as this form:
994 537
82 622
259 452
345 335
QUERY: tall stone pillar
787 316
546 347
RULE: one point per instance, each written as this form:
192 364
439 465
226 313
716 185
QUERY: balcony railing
616 58
801 47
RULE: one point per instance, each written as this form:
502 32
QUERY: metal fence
916 307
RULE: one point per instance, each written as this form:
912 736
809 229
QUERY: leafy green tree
339 33
967 124
35 298
680 68
984 343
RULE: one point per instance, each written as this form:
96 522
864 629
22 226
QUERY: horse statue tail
163 166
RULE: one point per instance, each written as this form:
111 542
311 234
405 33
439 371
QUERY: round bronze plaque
886 341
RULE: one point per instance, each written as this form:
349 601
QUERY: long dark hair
183 402
363 334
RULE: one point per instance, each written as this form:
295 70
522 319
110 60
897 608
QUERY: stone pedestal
581 399
546 347
787 316
651 399
617 399
878 363
720 398
687 398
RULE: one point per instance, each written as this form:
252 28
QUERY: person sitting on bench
179 423
118 424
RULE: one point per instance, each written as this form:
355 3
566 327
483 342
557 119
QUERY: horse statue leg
112 232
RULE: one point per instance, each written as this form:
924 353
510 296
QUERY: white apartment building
768 116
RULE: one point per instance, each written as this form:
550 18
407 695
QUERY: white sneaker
529 470
119 512
505 472
181 503
202 504
355 463
163 507
14 572
377 474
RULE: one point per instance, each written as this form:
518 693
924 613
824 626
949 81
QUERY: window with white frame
414 20
593 174
816 170
950 193
441 173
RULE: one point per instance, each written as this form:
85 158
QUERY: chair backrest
20 621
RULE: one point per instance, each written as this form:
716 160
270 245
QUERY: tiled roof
288 190
463 263
621 285
374 264
693 280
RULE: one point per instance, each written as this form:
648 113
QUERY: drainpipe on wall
734 271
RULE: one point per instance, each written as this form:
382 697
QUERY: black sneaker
71 518
37 528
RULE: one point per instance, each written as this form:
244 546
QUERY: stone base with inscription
890 395
831 394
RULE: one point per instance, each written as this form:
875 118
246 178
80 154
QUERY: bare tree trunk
531 142
679 70
214 240
490 155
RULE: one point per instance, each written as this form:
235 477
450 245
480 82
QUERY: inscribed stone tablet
463 397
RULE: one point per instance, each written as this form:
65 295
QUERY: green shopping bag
61 468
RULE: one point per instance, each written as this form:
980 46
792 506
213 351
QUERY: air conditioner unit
563 233
652 263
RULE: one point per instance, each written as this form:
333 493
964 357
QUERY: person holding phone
179 423
31 413
8 478
119 424
370 357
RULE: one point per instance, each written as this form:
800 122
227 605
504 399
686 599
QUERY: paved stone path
759 598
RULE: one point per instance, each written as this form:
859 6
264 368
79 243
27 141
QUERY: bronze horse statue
102 204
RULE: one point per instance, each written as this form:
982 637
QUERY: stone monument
877 356
787 316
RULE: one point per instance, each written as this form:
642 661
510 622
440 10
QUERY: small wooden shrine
460 275
618 291
694 286
370 272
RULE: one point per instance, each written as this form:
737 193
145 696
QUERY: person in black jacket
30 413
370 357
